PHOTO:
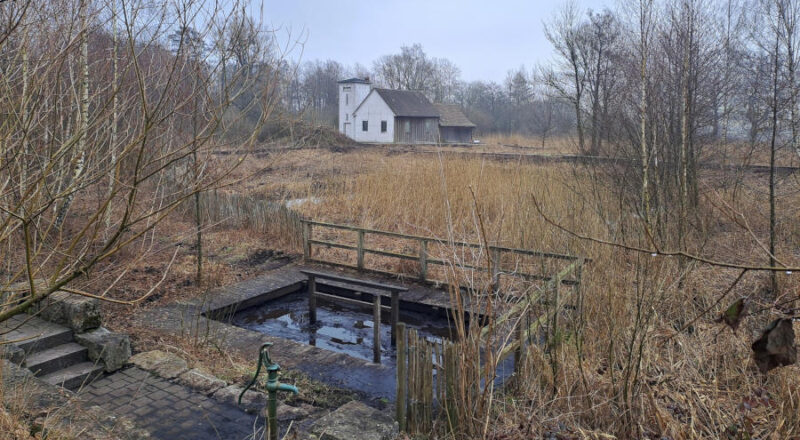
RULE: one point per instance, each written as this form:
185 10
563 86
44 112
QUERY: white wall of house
350 96
374 111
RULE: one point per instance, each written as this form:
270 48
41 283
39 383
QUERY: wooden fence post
306 241
395 315
376 322
360 259
412 380
402 377
427 387
423 260
312 299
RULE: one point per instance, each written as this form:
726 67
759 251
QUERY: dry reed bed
629 374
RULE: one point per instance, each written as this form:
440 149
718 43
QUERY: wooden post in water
312 299
395 315
402 377
423 260
360 259
376 323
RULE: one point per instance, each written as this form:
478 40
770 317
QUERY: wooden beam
312 300
376 324
348 280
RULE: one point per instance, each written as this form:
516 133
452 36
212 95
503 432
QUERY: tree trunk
772 262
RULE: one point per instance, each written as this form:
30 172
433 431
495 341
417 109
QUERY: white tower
351 93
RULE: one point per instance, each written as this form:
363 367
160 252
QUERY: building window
364 125
383 126
407 127
346 99
347 116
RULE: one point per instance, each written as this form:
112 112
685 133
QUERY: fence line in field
232 209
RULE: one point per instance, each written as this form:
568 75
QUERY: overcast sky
484 38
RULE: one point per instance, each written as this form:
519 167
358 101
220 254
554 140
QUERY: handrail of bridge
422 256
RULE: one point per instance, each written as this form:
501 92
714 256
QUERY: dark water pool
342 328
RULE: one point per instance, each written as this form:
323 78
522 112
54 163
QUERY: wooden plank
348 280
412 380
395 315
519 251
312 299
495 269
360 250
519 352
402 378
351 301
306 241
423 260
391 254
376 324
333 244
427 390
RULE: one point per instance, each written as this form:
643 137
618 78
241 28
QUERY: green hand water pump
273 386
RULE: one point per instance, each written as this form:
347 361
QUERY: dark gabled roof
405 103
450 115
354 81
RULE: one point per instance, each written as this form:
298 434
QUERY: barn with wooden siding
454 127
416 120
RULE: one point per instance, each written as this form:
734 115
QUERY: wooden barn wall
456 134
418 131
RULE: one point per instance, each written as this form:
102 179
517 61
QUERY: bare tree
60 222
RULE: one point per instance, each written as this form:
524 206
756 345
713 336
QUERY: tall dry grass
624 370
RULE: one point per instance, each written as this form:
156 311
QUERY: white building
375 115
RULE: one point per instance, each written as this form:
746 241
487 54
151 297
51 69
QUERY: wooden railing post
423 260
360 259
519 353
395 315
312 299
306 241
495 269
376 322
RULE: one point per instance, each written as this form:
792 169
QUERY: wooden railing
422 257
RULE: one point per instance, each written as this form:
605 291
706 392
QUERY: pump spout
287 387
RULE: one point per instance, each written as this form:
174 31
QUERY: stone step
56 358
74 376
34 334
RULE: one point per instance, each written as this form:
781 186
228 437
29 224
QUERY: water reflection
340 328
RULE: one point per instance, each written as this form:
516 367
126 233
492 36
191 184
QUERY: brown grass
623 372
630 376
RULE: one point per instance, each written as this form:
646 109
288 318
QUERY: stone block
112 349
355 420
74 311
166 365
12 353
252 401
201 381
288 413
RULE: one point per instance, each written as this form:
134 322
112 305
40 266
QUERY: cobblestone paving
168 410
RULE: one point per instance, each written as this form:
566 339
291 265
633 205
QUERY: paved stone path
168 410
